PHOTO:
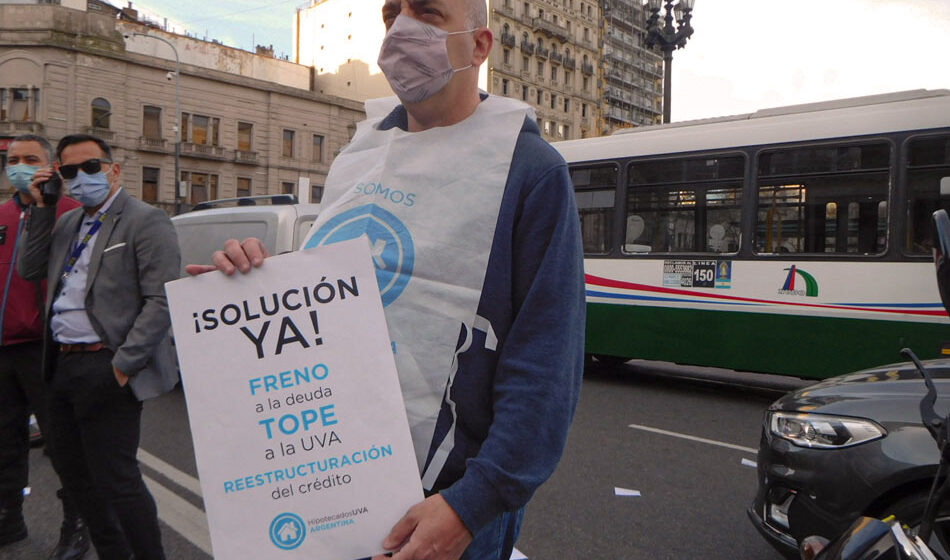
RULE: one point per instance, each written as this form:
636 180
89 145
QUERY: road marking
180 478
185 519
749 463
693 438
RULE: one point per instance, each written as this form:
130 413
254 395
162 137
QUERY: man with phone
21 349
107 344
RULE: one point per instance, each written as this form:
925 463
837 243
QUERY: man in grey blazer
107 345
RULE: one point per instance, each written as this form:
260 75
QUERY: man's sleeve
35 243
538 377
158 261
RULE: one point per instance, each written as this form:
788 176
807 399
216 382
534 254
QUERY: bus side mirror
942 255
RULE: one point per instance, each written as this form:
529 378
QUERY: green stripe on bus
814 347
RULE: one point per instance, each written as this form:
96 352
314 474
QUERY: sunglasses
88 167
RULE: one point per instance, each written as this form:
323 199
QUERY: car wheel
910 510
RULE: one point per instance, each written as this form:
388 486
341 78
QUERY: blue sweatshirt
514 404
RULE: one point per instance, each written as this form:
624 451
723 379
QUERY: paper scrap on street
518 555
749 463
626 492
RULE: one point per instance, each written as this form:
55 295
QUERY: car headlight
823 431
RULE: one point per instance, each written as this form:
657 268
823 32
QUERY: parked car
849 446
277 220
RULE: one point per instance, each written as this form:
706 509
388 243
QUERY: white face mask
415 59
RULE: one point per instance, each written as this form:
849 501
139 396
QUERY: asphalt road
659 464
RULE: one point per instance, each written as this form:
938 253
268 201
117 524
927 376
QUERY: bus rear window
828 199
928 189
595 190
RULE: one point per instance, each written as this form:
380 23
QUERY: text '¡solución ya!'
256 315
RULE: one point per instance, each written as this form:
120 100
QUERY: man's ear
483 43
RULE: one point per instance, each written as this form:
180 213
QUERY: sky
744 55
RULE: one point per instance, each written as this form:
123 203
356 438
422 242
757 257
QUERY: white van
274 219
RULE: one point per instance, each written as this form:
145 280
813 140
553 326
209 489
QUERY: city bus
794 241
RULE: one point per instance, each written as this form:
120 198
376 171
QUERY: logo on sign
287 531
390 241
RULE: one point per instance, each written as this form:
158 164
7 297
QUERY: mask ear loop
450 33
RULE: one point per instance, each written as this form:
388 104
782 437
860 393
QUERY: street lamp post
669 37
177 118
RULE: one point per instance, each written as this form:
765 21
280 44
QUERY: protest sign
299 426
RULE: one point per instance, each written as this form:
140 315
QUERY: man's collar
399 118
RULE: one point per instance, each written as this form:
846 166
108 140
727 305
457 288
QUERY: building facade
632 74
547 54
250 124
340 39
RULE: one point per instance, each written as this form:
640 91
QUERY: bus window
928 189
684 205
829 199
595 190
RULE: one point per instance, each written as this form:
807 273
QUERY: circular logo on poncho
390 243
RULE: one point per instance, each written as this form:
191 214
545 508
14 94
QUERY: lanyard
74 256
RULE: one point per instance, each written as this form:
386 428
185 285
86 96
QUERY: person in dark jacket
21 351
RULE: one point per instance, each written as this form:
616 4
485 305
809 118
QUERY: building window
553 100
287 147
553 73
524 93
243 187
245 133
287 187
504 87
525 64
567 104
152 122
317 155
547 127
316 193
507 55
539 96
204 186
200 129
583 109
540 69
586 83
568 75
101 113
150 180
20 105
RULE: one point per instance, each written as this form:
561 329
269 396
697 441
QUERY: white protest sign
299 426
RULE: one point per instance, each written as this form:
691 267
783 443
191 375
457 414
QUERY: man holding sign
473 229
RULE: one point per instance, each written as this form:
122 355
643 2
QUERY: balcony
21 127
587 68
570 63
202 151
557 58
105 134
549 28
543 53
527 47
508 40
243 156
146 144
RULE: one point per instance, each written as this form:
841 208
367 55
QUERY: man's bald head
477 12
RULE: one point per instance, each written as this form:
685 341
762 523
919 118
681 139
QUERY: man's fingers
255 250
234 253
401 531
223 263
